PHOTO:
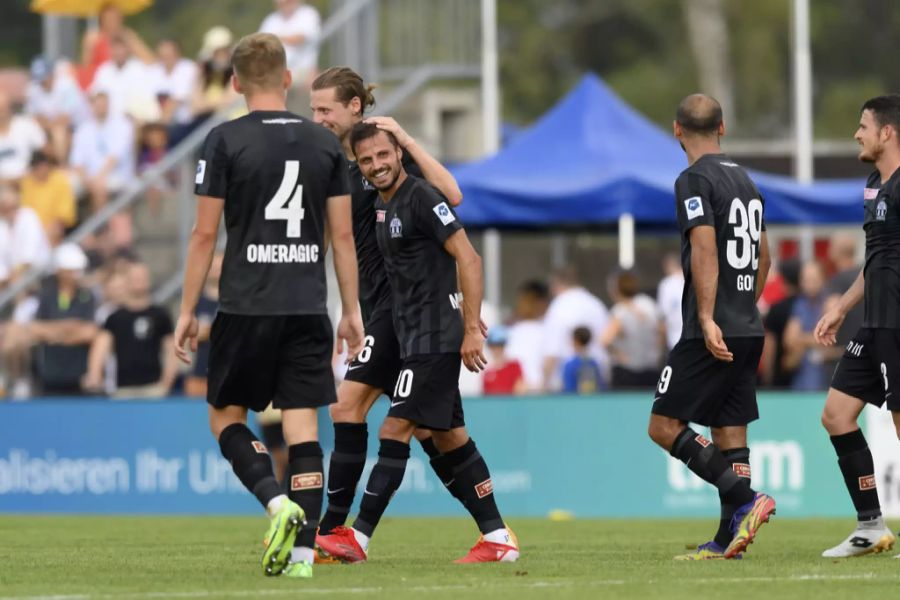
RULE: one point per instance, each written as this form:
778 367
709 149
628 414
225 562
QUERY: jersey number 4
287 203
747 222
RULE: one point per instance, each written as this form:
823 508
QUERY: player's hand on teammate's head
186 330
392 126
715 343
350 332
472 351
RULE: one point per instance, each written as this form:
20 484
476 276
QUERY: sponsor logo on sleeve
741 470
485 488
443 213
306 481
201 172
260 447
870 193
702 441
694 207
867 482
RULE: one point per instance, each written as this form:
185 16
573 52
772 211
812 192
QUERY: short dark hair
536 288
885 109
627 284
363 131
699 113
582 335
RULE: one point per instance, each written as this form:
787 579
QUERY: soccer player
710 376
869 370
282 183
339 100
423 246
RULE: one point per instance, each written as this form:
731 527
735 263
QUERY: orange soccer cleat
341 545
485 551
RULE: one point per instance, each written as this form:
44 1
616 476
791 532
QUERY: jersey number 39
747 224
287 203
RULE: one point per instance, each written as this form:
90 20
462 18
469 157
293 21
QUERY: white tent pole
626 241
803 123
490 111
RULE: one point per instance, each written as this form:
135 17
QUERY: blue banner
588 456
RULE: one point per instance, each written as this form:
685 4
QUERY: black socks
306 487
250 461
703 458
345 469
386 477
739 461
475 487
855 460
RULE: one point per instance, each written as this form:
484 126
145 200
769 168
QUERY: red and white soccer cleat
485 551
341 544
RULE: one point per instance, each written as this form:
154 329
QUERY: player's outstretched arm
471 283
765 263
827 327
201 248
340 232
433 171
705 270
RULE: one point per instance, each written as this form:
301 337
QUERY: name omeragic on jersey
283 253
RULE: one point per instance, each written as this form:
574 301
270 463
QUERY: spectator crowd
74 137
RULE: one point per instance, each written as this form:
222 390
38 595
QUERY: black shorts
379 362
285 360
870 367
696 387
427 392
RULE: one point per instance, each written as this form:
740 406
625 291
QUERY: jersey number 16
747 224
287 203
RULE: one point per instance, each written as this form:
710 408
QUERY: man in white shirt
298 26
20 137
56 102
572 306
23 243
173 78
128 82
103 151
525 342
668 297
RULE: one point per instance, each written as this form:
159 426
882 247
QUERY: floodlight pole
490 120
803 123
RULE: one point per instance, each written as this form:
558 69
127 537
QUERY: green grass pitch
84 558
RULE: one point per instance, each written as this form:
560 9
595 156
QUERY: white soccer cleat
862 541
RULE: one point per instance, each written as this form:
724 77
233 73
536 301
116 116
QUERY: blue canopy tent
593 158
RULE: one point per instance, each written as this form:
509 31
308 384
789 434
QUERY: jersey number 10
287 203
747 224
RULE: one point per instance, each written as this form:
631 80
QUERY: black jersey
274 171
716 191
374 290
882 269
411 230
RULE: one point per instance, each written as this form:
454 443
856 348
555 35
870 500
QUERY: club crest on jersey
379 216
396 228
694 207
443 213
201 172
881 211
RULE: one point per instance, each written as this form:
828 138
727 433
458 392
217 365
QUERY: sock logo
867 482
306 481
259 447
702 440
485 488
741 469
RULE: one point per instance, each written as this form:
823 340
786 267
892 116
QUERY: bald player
710 375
